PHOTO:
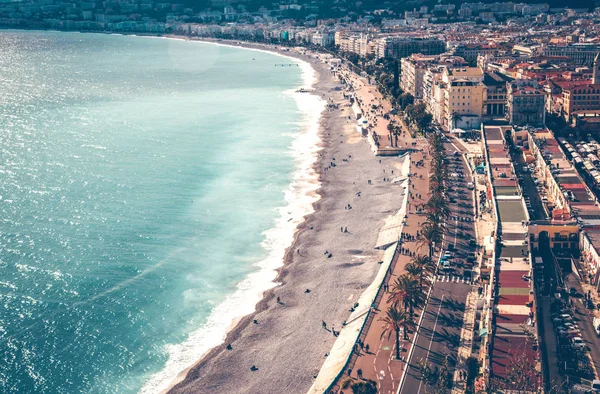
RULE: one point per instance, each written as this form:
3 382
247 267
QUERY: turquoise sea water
138 177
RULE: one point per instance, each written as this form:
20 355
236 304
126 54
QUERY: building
471 51
400 47
525 103
511 299
581 97
433 92
581 53
415 67
413 70
463 97
324 39
494 99
535 9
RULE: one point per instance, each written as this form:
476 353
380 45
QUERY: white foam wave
299 196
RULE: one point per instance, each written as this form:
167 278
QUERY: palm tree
420 268
406 291
401 289
430 235
455 117
395 319
438 206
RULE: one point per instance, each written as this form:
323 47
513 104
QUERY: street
439 333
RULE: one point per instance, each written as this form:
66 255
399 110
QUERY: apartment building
494 99
415 67
433 92
361 44
581 97
324 39
413 71
581 53
525 103
471 51
402 46
463 97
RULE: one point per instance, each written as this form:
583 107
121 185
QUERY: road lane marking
431 339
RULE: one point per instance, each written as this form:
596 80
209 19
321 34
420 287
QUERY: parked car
572 291
578 343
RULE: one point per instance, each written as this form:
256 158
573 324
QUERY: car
446 265
578 343
573 291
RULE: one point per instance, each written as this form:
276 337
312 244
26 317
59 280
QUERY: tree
436 379
424 122
420 268
455 117
394 320
521 375
364 387
401 289
406 99
438 206
430 235
407 292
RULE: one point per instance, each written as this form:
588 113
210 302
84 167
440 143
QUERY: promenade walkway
375 360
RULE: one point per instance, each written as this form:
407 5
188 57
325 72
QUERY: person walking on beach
324 325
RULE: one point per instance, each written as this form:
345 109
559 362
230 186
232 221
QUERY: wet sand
288 344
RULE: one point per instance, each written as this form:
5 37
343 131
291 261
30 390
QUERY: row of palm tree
437 208
409 290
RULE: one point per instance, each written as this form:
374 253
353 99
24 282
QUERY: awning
483 332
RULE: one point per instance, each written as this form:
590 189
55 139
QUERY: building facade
400 47
463 97
525 104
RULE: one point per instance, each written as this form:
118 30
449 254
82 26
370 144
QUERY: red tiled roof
573 186
511 299
513 279
511 319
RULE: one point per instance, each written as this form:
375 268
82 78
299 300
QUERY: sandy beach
286 341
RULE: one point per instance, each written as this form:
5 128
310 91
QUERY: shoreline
241 322
299 174
194 378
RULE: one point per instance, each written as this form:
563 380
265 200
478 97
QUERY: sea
148 190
